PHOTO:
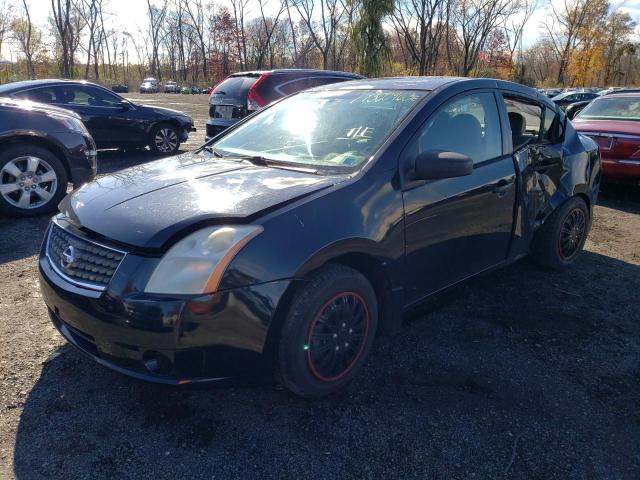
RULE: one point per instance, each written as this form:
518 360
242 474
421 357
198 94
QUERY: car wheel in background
328 332
32 180
561 238
164 139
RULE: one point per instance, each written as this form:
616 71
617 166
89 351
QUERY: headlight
71 123
196 263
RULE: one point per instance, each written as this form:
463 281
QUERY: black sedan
565 99
286 244
42 149
113 121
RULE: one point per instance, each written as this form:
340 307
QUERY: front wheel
165 139
32 181
328 332
562 236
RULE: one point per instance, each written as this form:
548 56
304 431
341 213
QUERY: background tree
28 38
370 42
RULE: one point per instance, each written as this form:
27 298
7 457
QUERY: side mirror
124 105
435 164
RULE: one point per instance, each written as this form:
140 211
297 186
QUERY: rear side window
552 129
525 120
293 86
234 88
469 125
41 95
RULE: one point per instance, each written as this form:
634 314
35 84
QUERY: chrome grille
81 261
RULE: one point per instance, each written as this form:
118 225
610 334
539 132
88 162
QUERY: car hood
607 126
147 205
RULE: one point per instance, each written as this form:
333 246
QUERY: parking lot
521 373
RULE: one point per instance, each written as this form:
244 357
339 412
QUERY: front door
457 227
109 123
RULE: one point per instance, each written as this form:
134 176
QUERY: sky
130 15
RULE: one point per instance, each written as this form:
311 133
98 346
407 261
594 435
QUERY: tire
313 321
168 132
562 236
41 182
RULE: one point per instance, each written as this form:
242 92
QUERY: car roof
26 84
314 71
618 94
432 83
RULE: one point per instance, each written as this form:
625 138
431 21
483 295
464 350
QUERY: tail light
255 101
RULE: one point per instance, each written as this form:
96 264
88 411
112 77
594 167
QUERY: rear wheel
328 332
32 180
562 236
165 139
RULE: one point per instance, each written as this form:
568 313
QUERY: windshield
336 128
613 108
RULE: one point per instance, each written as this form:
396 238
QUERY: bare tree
6 13
475 20
156 17
268 25
420 28
323 25
565 25
239 13
61 10
27 37
196 14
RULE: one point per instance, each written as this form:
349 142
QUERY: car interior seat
518 125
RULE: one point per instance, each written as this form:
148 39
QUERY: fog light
157 363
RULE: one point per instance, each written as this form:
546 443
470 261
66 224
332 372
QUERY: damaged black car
286 245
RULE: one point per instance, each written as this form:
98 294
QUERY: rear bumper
164 339
627 171
217 126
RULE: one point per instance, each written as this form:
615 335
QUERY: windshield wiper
209 149
267 162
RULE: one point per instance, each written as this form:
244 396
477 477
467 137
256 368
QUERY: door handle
502 187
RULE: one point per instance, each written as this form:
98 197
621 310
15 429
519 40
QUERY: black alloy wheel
328 331
572 234
336 336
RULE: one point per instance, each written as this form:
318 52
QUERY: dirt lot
522 373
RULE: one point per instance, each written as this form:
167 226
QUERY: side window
293 86
41 95
316 82
525 120
468 124
78 95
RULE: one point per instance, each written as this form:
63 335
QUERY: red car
613 122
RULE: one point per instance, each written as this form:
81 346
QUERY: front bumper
173 340
81 156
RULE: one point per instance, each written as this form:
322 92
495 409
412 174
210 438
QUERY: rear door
457 227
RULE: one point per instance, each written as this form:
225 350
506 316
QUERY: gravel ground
521 373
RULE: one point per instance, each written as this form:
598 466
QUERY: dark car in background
120 88
574 109
565 99
113 121
42 149
613 122
149 85
286 243
243 93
